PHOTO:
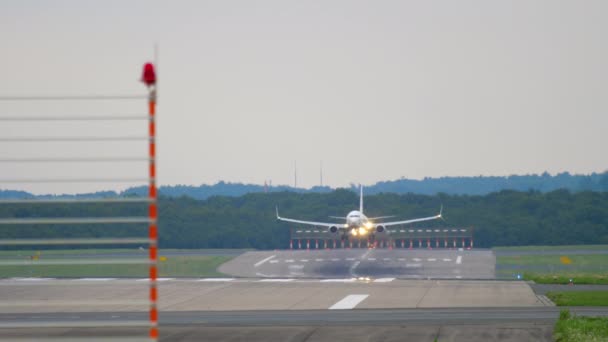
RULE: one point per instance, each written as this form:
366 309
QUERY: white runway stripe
447 259
95 279
263 261
277 280
344 280
459 259
349 302
371 259
431 259
33 279
157 279
384 280
273 261
289 260
216 279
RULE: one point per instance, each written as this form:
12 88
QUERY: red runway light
148 75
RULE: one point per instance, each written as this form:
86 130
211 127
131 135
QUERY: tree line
505 218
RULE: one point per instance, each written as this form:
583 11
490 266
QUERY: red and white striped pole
149 78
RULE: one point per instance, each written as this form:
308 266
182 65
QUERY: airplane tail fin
361 200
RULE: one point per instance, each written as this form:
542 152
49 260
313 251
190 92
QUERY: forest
505 218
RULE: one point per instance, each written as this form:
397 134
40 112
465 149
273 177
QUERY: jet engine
380 229
333 229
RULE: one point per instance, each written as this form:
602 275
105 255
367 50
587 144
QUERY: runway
471 324
31 295
317 295
377 263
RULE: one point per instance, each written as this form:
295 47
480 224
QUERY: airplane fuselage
357 223
356 219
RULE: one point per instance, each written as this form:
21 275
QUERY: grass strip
173 266
549 248
570 328
579 298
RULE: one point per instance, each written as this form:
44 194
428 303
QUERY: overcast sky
377 90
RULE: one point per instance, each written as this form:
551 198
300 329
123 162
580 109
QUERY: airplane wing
312 223
380 217
394 223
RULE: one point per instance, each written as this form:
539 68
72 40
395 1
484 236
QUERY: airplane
359 225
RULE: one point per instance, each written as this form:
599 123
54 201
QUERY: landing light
368 225
354 232
362 231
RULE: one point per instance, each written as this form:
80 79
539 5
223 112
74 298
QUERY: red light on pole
148 75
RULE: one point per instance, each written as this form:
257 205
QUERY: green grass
56 252
578 261
571 328
550 269
579 298
174 266
564 278
549 248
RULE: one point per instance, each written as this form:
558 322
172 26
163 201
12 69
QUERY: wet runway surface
376 263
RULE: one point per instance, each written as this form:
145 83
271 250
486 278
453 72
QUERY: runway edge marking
383 280
349 302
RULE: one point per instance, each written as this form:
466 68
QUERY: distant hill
480 185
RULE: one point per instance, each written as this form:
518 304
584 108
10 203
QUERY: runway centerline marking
304 260
349 302
335 259
263 261
371 259
289 260
273 261
283 280
417 259
318 259
216 279
94 279
447 259
354 266
459 259
431 259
